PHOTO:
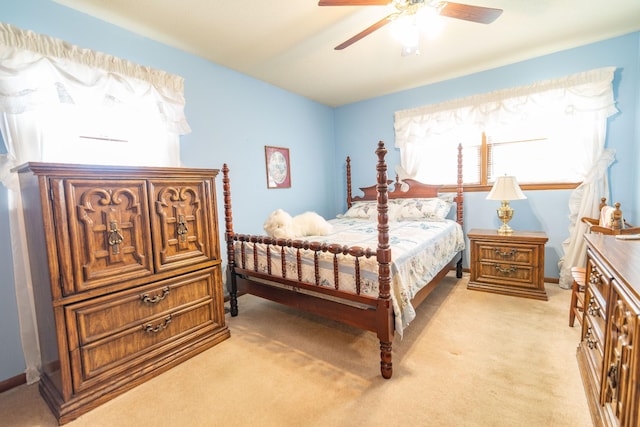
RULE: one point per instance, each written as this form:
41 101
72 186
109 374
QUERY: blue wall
358 125
234 116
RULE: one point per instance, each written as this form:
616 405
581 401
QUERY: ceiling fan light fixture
410 50
405 30
410 8
430 22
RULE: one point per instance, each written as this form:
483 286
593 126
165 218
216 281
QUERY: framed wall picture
278 170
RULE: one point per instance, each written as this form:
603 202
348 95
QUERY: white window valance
38 70
586 93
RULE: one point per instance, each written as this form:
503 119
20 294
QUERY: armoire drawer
93 319
110 334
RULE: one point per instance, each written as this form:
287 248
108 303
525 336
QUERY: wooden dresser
608 356
508 264
126 274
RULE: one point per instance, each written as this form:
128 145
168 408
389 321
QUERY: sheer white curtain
39 75
582 102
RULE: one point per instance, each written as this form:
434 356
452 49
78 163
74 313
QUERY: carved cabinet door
620 387
108 232
183 222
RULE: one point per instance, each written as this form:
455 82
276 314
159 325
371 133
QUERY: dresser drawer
599 279
593 349
109 336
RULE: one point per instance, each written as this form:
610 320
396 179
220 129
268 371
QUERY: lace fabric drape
38 73
585 100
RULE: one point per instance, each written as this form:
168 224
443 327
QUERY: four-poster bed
354 284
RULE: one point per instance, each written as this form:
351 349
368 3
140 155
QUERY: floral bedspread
419 250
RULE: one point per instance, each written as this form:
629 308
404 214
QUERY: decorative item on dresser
126 275
610 221
608 353
510 264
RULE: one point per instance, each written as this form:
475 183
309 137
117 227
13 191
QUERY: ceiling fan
466 12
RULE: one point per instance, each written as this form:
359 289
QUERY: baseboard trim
10 383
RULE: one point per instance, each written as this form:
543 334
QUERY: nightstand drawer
521 254
517 275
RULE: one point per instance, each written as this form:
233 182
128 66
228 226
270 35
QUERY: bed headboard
413 189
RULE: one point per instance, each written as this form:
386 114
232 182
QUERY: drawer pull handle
115 237
156 298
182 229
509 254
506 271
593 309
612 376
591 343
159 327
595 277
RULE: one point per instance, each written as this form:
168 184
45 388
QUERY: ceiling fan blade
381 23
353 2
467 12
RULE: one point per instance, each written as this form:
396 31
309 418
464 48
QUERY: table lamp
505 188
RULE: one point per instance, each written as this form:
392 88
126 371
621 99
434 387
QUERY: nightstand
508 264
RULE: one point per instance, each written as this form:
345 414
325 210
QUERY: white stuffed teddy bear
281 225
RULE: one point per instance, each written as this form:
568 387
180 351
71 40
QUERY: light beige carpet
469 359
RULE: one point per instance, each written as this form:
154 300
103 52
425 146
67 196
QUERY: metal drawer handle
593 309
506 271
156 298
595 277
591 343
159 327
114 237
182 229
612 375
509 254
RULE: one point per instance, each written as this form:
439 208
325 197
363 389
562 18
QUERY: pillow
432 209
362 210
369 210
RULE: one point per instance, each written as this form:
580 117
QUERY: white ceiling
289 43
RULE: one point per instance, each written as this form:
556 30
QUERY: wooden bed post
459 206
348 182
385 306
232 286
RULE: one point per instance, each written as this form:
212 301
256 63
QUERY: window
544 134
541 154
108 136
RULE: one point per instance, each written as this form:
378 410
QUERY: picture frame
278 168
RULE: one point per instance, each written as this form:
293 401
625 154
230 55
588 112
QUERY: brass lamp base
505 213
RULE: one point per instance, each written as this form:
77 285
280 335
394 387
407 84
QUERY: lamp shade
506 188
